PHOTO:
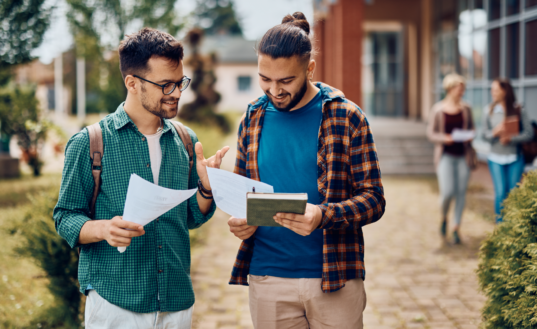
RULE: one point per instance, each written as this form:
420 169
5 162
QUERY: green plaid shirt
154 273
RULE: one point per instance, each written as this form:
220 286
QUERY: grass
23 291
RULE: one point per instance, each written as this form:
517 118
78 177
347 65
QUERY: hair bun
298 19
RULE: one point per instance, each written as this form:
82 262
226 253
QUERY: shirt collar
121 119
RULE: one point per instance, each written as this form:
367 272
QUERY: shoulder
342 110
190 131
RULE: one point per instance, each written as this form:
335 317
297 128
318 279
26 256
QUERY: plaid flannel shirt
349 181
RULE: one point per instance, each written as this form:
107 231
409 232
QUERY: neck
453 100
147 122
311 92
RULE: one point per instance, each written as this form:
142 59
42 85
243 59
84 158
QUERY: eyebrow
286 78
168 80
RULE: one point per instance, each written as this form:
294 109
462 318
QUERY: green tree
22 25
507 268
217 17
203 108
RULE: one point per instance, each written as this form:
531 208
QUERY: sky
256 17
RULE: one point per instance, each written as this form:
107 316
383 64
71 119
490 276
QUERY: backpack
529 149
97 152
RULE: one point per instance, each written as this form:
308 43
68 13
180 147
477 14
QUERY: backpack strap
187 141
96 155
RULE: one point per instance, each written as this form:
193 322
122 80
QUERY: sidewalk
414 280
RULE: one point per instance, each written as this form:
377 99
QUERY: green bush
51 253
507 269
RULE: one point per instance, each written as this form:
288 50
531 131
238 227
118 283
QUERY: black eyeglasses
169 87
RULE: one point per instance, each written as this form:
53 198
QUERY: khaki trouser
283 303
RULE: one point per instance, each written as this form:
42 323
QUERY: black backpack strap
187 141
96 155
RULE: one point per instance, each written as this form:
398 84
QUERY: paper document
460 135
147 201
229 191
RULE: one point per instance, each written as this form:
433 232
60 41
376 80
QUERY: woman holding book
505 126
451 128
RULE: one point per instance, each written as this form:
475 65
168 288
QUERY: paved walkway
414 279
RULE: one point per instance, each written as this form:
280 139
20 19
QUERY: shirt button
158 219
148 165
143 138
160 247
160 271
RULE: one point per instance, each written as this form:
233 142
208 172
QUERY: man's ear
130 83
311 69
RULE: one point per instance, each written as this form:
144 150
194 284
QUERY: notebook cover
512 126
260 212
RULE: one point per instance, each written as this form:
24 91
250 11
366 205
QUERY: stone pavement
414 279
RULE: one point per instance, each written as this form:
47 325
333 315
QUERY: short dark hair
288 39
136 49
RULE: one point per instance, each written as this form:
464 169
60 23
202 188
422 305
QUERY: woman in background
452 159
506 162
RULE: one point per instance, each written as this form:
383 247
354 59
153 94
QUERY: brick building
390 56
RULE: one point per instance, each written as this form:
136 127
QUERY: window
244 82
511 51
494 53
494 9
480 45
513 7
531 3
531 48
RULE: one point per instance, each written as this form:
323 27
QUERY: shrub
52 253
507 269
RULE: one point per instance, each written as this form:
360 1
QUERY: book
261 207
512 125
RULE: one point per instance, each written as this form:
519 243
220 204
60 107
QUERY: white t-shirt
155 154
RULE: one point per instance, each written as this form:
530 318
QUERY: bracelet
203 190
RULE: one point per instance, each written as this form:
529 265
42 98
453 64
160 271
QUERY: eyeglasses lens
184 84
168 88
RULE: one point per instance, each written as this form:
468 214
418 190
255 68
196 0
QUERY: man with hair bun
305 136
148 285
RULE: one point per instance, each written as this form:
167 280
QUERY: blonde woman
452 159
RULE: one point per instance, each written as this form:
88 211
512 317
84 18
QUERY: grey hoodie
491 120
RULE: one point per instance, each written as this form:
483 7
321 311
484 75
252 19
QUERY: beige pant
282 303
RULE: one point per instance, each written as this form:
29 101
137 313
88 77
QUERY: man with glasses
147 286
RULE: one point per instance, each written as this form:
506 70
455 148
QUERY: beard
156 107
294 99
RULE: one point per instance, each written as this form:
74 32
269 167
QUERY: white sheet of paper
147 201
229 191
461 135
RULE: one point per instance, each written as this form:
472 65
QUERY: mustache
280 95
170 100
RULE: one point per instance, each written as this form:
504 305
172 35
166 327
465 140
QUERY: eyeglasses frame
175 84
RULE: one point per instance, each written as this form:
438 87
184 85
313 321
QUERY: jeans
453 174
505 177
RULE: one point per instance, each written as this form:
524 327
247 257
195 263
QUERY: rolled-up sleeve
73 208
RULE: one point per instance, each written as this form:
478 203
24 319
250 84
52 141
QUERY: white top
155 154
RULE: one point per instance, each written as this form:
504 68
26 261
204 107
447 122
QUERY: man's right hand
239 227
119 233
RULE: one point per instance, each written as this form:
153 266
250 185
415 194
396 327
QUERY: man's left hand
214 162
301 224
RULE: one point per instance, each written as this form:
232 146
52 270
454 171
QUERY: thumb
199 151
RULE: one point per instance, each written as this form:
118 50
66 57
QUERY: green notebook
261 207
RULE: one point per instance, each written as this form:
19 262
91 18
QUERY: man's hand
301 224
119 233
239 227
214 162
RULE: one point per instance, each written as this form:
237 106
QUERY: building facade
390 56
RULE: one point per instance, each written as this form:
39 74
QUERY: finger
199 151
224 150
120 242
129 225
217 160
293 227
236 221
290 216
239 229
119 232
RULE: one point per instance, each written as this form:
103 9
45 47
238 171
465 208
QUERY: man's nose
176 92
275 89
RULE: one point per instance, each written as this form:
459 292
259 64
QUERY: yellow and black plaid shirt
349 181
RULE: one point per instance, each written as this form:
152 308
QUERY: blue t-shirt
288 161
